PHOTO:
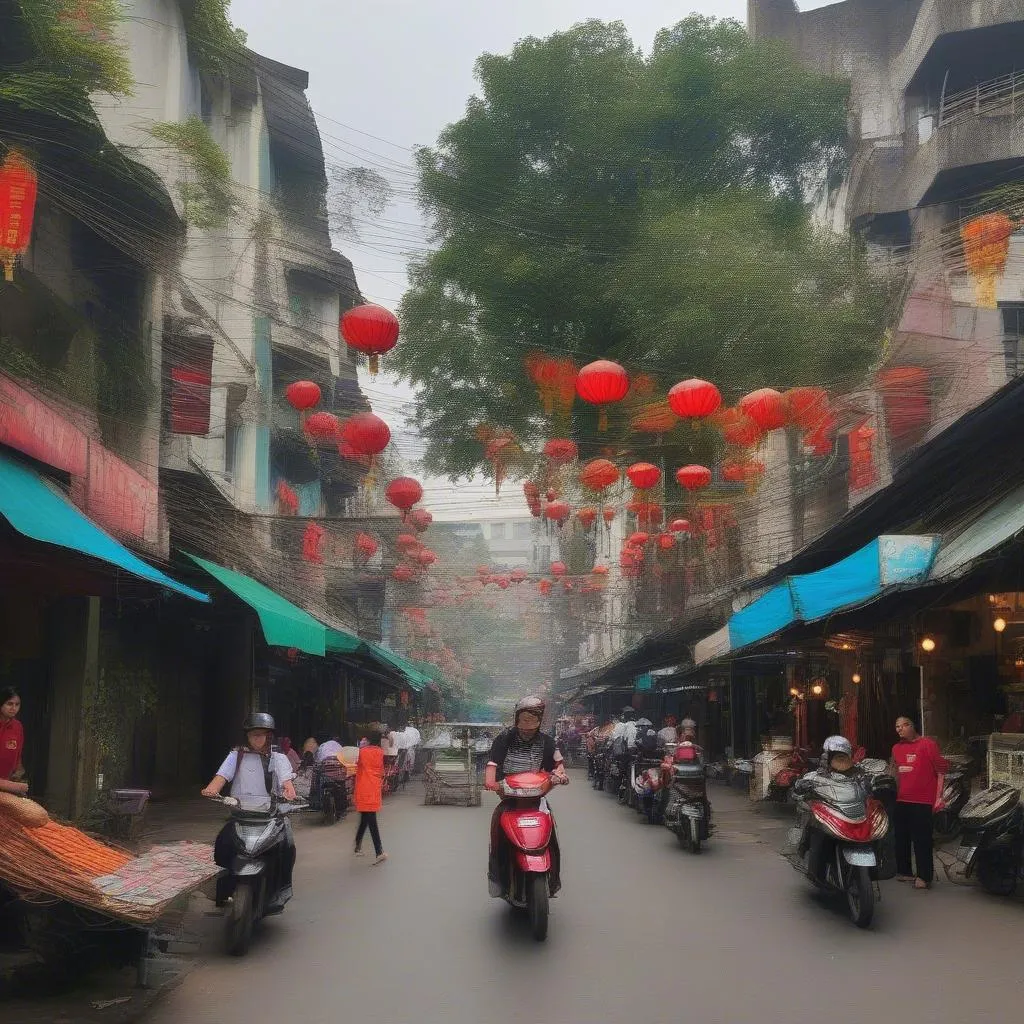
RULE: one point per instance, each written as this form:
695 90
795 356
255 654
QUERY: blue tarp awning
887 562
41 513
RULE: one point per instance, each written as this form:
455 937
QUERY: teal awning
416 679
284 624
341 643
41 513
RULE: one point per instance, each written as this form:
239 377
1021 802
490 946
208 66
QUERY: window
497 531
522 531
191 373
1013 333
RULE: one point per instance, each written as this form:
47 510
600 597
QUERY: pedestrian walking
920 771
368 794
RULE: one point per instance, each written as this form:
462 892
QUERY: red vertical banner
861 442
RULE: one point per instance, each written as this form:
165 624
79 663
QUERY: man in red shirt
12 742
920 771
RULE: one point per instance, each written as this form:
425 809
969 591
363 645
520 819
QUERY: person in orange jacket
368 794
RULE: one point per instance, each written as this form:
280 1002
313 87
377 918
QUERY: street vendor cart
458 751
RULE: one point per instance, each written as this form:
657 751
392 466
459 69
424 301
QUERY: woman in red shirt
369 794
12 742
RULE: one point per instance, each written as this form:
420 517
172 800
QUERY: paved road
643 933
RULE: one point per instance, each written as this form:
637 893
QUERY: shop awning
415 678
284 624
886 563
41 513
341 643
1002 522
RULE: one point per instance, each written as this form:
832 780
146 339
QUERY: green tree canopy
597 202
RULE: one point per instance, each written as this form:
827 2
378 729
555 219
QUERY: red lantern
637 540
587 516
312 544
558 569
600 570
629 562
403 492
427 557
566 372
694 399
558 511
18 188
601 383
806 407
366 433
419 519
666 541
681 526
732 472
738 428
599 474
643 475
654 419
346 451
403 573
322 428
608 515
518 575
567 584
503 582
693 478
560 451
405 541
302 395
497 451
544 586
649 513
766 407
370 329
366 546
551 494
287 499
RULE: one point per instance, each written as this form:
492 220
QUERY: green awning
41 513
341 643
416 679
284 624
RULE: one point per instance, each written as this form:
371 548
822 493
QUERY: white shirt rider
244 771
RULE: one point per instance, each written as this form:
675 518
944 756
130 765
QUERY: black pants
368 820
912 824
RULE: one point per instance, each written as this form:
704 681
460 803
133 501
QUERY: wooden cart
452 775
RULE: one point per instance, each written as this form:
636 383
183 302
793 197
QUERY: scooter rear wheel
860 897
537 905
997 875
328 808
239 923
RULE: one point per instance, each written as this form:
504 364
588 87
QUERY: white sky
388 75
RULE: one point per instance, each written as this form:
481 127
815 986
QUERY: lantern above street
370 329
367 433
643 475
302 395
322 428
766 407
587 516
599 474
694 399
403 492
986 242
681 526
557 511
693 478
560 451
19 186
602 383
558 569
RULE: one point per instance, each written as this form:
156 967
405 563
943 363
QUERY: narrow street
643 932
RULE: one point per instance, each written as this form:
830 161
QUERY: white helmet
836 745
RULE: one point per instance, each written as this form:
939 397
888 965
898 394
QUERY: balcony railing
994 98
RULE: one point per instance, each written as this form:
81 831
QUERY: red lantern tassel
374 363
602 420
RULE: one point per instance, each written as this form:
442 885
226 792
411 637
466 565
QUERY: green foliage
78 37
209 197
354 191
215 43
653 210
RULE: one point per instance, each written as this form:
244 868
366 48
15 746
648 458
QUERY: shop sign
644 682
905 557
36 430
119 499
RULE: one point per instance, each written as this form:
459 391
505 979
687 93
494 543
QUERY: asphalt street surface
642 932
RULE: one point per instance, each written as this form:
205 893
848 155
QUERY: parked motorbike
796 767
256 879
992 839
329 791
955 793
599 760
687 810
615 776
840 824
527 828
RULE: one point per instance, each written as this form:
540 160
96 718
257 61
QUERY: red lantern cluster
557 511
532 494
587 516
370 329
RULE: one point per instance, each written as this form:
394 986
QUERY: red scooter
525 832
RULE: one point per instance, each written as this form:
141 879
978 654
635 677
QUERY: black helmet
629 713
258 720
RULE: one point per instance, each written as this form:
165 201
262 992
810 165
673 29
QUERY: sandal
920 883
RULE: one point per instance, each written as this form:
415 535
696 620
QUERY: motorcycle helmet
629 714
258 720
836 745
530 703
644 723
688 725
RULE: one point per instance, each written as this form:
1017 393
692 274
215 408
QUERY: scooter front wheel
860 897
239 923
537 905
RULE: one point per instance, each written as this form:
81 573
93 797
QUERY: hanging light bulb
928 644
855 678
794 692
999 625
817 689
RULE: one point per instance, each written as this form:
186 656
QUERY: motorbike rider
255 774
836 759
669 732
523 748
687 731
